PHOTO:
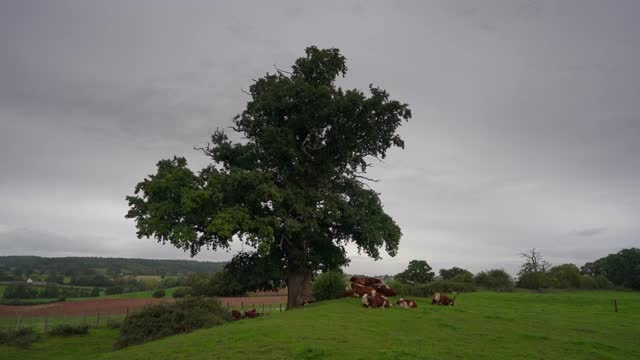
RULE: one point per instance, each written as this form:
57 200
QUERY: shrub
181 292
95 292
68 330
602 282
565 276
157 321
463 277
495 279
22 338
114 290
427 290
329 285
50 292
158 293
534 280
19 292
588 282
223 283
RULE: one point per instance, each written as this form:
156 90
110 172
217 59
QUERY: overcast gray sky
526 127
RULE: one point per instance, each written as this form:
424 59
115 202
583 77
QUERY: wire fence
101 319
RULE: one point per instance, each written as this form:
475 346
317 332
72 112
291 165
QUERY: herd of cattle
373 292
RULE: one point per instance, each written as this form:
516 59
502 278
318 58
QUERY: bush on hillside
588 282
22 338
329 285
602 282
534 281
157 321
495 279
158 293
463 277
181 292
564 276
68 330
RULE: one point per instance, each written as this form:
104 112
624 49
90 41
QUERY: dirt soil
118 306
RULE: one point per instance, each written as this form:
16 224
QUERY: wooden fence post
262 308
280 307
241 305
18 322
615 305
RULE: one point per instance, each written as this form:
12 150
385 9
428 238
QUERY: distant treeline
21 267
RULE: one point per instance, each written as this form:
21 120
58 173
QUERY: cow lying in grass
361 285
376 301
441 299
249 314
407 303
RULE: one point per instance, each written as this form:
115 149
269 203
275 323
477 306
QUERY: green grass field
483 325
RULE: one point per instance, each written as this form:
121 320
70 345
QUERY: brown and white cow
252 314
365 280
236 315
359 290
441 299
384 289
407 303
379 301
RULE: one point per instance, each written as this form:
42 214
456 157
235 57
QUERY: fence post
18 322
280 307
615 305
270 311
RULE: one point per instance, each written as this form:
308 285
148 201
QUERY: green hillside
484 325
27 265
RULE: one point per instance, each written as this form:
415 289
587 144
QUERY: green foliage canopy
418 271
295 188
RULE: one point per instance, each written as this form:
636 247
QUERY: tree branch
206 151
282 71
365 178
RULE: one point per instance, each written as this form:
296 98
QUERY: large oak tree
294 189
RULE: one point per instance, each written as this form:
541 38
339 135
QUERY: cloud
591 231
519 133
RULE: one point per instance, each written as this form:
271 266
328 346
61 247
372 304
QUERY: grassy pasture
483 325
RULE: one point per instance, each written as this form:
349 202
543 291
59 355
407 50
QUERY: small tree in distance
418 271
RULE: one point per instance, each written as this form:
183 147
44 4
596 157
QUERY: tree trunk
299 289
